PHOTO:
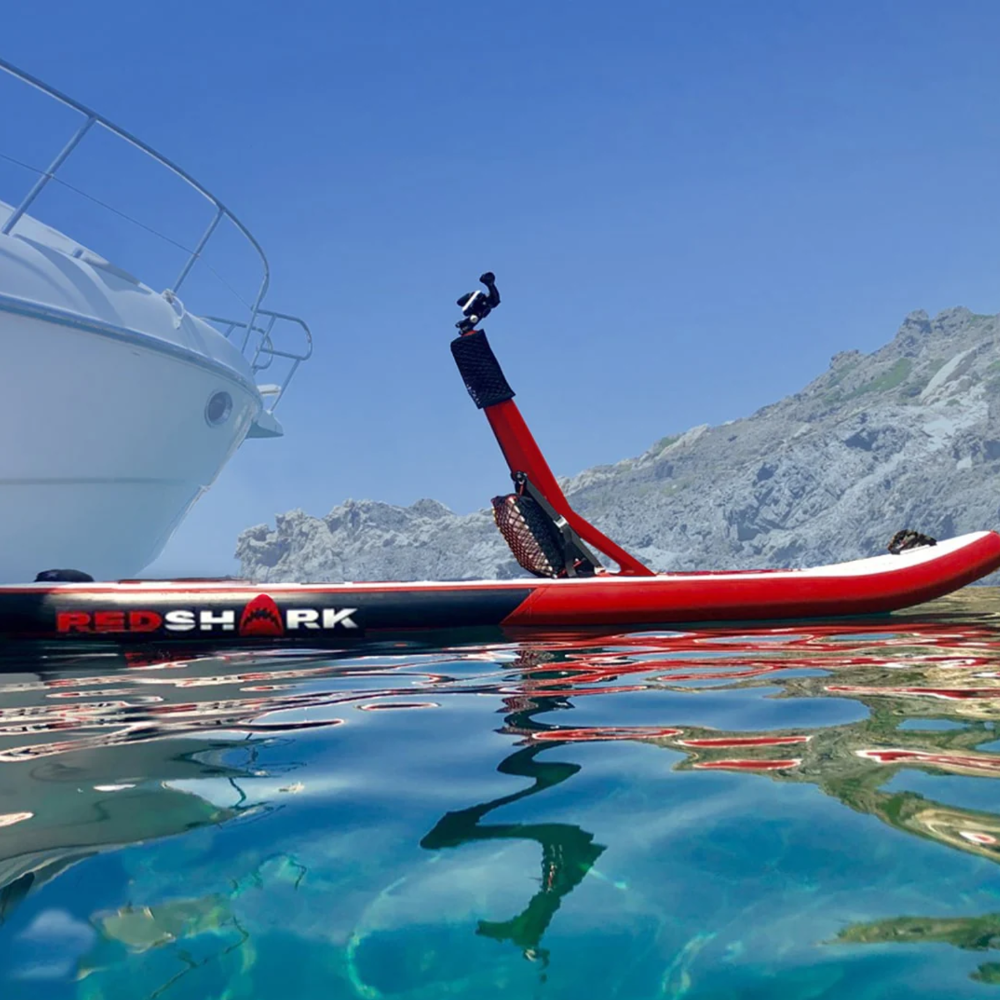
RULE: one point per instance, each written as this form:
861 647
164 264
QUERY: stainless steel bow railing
260 351
265 352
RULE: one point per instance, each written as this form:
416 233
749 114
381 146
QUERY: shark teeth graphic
261 617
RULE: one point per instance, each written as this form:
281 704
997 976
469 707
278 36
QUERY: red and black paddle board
226 609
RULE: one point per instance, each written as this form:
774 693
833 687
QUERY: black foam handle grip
480 370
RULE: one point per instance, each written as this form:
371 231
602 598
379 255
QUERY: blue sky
689 206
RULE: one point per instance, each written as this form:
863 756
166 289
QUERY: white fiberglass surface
41 266
109 448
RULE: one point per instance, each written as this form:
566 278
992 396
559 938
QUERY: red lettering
73 621
144 621
109 621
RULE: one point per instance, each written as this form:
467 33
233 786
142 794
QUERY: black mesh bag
530 535
480 370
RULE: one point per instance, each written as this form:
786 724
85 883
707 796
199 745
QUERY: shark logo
261 617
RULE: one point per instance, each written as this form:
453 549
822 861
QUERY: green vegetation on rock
665 442
894 377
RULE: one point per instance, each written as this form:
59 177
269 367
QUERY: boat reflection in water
134 734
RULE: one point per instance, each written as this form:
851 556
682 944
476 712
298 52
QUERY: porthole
218 408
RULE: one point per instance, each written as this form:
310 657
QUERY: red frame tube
523 455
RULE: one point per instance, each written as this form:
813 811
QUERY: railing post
36 189
265 336
284 385
256 303
196 253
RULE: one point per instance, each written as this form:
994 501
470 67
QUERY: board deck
231 609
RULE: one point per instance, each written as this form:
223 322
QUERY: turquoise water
801 812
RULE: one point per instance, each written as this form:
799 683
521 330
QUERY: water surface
805 812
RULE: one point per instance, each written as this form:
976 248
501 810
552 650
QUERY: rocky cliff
908 436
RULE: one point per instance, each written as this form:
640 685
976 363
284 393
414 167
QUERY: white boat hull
105 448
121 405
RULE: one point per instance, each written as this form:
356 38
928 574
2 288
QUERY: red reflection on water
531 677
745 741
749 765
978 838
603 733
894 755
375 707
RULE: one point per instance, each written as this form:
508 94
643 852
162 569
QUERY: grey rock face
905 437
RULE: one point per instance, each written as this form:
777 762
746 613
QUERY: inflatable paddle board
569 585
221 609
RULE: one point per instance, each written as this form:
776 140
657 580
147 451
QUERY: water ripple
718 814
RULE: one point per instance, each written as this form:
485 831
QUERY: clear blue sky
689 206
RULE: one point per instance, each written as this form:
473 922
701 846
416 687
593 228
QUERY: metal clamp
476 306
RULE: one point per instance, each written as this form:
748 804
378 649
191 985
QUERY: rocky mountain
908 436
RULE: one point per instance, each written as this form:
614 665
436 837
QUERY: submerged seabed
808 811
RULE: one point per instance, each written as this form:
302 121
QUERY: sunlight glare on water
801 812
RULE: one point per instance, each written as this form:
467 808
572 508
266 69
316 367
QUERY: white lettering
295 618
227 619
332 617
306 617
179 621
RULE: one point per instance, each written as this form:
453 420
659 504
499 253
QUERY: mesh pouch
530 535
480 370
